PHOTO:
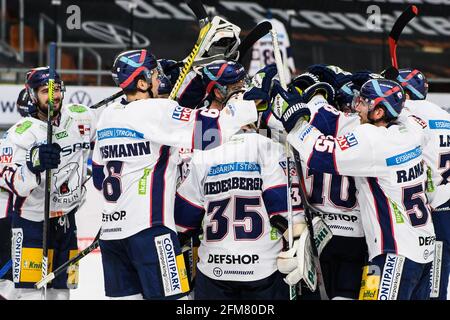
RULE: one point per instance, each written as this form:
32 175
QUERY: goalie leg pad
299 260
441 269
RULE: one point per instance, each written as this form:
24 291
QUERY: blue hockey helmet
345 95
414 83
386 93
131 64
25 106
220 74
38 77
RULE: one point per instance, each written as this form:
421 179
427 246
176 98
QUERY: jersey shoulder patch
78 112
23 126
24 132
419 121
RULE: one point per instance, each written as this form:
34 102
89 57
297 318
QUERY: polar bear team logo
67 180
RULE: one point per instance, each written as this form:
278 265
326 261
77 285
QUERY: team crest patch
182 114
347 141
84 129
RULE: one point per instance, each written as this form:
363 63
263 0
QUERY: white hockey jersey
6 197
74 132
437 151
262 54
134 144
333 195
231 192
390 178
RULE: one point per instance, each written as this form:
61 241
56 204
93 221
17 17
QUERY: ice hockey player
231 193
332 195
386 160
6 202
437 157
30 156
134 165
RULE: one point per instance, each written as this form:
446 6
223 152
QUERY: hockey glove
322 88
303 81
333 75
171 70
165 87
287 106
298 262
43 157
361 77
260 85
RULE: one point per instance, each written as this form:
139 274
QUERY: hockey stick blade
205 25
94 245
397 29
255 34
199 10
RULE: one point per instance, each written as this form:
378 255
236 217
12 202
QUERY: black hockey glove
43 157
323 88
287 106
260 85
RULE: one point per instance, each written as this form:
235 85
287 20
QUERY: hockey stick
302 188
397 29
43 282
200 12
48 172
5 268
280 70
106 100
259 31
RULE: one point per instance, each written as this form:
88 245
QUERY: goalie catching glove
298 261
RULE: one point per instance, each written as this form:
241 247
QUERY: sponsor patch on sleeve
182 114
347 141
6 155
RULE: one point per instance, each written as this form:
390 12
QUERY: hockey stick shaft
106 100
5 268
48 172
397 29
94 245
280 70
200 12
302 189
247 43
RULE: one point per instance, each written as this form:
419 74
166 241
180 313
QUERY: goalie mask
221 42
